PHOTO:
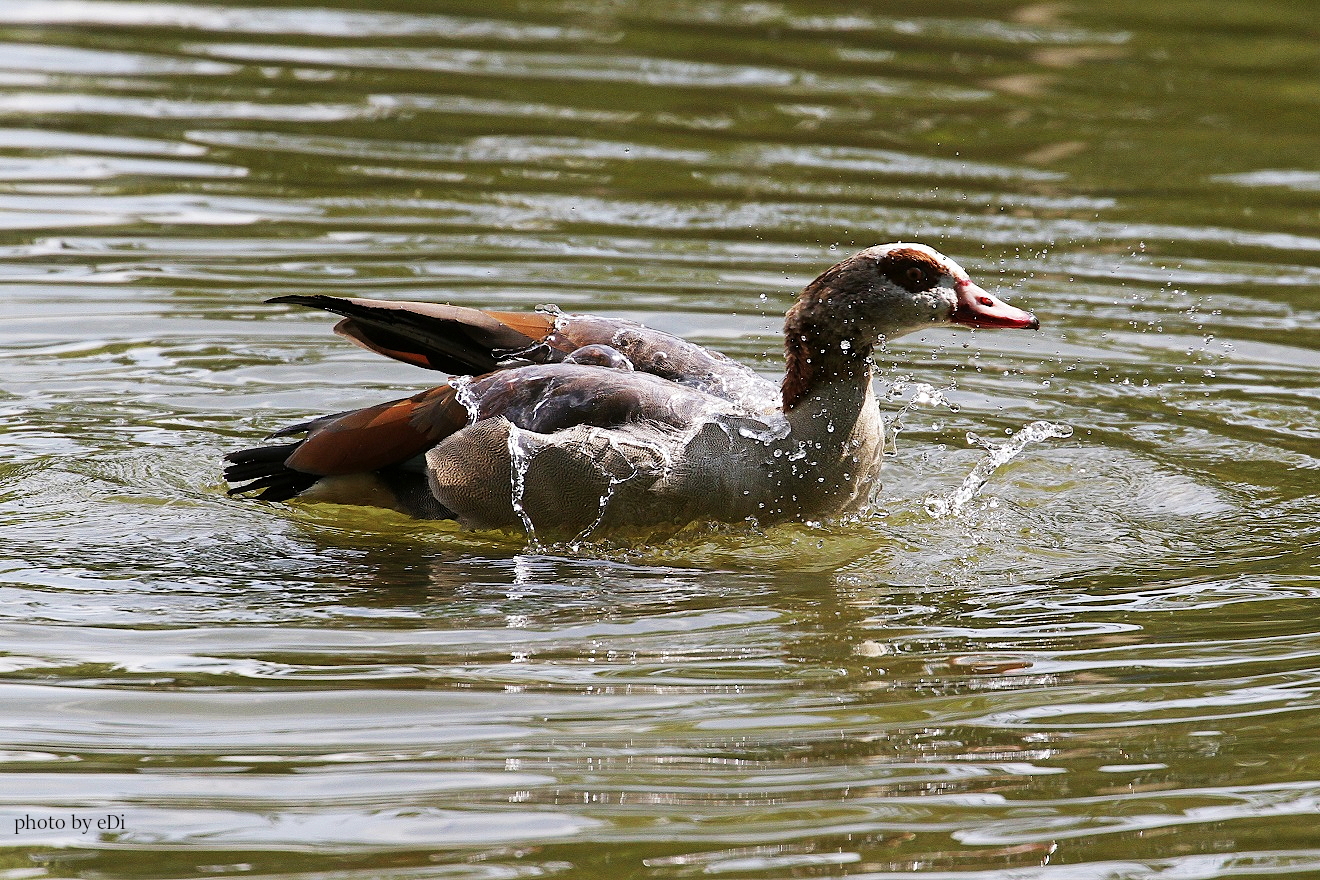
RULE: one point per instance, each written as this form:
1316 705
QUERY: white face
892 289
929 287
916 287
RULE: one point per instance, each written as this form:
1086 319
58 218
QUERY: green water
1106 665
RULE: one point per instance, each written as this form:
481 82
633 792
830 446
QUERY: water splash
999 455
922 395
521 452
605 497
463 393
767 429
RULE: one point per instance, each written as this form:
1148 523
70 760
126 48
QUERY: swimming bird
563 424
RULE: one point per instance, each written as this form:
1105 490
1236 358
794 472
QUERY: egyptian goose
565 424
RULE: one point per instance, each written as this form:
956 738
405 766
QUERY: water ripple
1102 665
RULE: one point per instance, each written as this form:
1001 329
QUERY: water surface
1102 665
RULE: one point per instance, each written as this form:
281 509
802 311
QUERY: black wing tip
262 469
313 300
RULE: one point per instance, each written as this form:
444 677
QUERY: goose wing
464 341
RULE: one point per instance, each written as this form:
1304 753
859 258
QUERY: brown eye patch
911 269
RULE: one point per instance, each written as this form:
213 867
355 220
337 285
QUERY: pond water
1104 664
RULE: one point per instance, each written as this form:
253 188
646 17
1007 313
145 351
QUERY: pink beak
977 308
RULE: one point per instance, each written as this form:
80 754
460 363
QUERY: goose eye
916 275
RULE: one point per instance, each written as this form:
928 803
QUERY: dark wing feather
453 339
263 469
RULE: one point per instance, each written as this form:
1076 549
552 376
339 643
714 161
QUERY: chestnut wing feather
358 441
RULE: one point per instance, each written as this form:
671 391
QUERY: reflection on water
1102 664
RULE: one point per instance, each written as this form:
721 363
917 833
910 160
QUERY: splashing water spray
922 395
999 455
521 453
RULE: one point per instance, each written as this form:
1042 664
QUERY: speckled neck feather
822 339
831 330
816 353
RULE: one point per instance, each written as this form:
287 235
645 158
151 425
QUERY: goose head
878 294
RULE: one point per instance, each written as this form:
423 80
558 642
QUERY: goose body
564 424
